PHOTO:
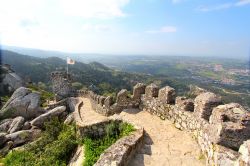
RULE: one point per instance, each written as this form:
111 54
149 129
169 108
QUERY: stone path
164 145
88 115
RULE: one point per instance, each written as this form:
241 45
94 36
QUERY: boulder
9 78
70 119
39 121
5 125
23 136
3 139
23 102
13 81
26 126
16 124
7 146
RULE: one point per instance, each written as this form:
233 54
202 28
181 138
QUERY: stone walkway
88 115
164 144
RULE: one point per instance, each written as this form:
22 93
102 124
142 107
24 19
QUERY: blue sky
151 27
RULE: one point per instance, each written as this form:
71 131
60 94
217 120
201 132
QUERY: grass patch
5 98
53 148
95 147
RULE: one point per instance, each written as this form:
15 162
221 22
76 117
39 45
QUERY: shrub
95 147
53 148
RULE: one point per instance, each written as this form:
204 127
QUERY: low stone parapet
122 150
221 130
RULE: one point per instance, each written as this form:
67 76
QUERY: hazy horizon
28 51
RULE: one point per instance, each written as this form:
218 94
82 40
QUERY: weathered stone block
101 100
122 97
167 95
97 99
151 91
138 90
108 101
184 104
204 104
230 125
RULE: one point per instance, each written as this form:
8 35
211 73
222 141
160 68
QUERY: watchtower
61 84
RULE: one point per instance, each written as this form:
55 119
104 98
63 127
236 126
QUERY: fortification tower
61 84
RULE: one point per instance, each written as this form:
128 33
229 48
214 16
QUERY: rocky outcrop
23 102
26 126
23 136
39 121
10 78
16 124
70 119
3 139
7 146
5 125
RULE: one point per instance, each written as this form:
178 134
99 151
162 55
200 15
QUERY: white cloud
165 29
224 6
96 27
213 8
242 2
101 9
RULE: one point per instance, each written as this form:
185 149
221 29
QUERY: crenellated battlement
222 130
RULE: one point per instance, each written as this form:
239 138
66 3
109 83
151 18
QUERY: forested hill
39 69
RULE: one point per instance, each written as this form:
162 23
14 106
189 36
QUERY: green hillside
83 75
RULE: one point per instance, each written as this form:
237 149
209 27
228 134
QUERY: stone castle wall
107 106
222 130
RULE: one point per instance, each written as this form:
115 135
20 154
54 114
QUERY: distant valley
228 77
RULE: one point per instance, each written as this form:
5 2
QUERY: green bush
53 148
58 141
94 147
